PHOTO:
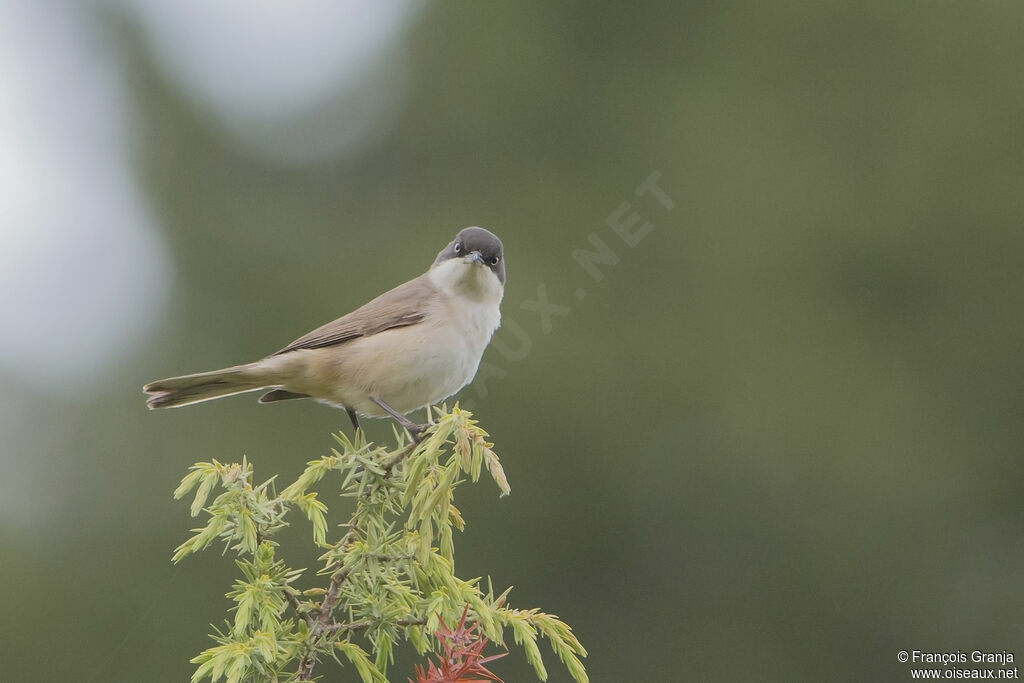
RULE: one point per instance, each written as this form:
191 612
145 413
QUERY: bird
412 346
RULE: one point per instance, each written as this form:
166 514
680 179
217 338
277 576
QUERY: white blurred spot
295 81
82 271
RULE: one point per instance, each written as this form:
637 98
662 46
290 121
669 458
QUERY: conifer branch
391 573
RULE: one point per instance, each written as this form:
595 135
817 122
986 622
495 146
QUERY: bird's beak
474 257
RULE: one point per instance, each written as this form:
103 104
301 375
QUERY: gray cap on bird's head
484 245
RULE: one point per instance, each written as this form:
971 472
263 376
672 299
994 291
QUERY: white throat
467 280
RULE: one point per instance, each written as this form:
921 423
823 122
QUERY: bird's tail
204 386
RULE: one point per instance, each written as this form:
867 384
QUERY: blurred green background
779 440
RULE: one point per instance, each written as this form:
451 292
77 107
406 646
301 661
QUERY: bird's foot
417 432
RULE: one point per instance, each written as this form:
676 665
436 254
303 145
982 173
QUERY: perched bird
412 346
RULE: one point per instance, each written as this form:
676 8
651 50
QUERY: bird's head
473 263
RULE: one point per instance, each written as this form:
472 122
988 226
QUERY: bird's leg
415 430
355 418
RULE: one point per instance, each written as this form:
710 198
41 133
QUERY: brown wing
402 306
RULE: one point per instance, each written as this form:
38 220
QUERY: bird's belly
407 368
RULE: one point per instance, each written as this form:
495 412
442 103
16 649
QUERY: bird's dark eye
458 248
494 261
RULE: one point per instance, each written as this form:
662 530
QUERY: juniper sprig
388 582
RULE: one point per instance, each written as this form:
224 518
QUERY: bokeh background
780 439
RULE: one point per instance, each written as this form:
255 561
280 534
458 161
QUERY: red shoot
463 660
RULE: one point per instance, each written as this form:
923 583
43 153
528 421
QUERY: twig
305 670
330 600
323 625
320 625
399 457
365 624
308 661
294 603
